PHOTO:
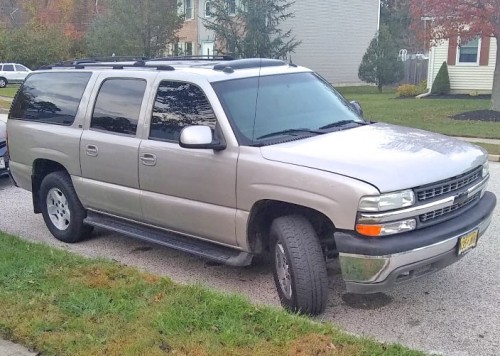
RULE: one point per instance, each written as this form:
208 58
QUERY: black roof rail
117 65
193 58
248 63
77 61
109 59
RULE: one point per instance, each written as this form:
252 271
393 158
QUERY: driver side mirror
357 107
200 137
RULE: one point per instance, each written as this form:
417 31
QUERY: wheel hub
58 209
283 271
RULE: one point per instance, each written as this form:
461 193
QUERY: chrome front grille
428 217
448 186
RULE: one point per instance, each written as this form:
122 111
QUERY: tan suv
229 159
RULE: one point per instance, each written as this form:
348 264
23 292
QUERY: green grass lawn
10 91
5 104
59 303
427 114
491 148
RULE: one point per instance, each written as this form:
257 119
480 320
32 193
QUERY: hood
387 156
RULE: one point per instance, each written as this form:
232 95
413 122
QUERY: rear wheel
61 209
299 265
3 82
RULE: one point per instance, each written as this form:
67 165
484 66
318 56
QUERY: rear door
110 142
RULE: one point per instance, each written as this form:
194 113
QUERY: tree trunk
495 97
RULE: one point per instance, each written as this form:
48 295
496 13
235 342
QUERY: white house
335 34
470 65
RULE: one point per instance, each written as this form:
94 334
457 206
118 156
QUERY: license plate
467 242
2 163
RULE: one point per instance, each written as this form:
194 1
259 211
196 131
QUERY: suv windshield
285 106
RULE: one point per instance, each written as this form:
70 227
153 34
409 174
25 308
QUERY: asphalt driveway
454 312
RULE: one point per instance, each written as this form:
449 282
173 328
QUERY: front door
192 191
109 148
207 48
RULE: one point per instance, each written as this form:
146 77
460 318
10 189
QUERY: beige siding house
470 65
335 34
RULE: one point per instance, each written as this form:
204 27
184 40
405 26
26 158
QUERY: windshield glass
263 109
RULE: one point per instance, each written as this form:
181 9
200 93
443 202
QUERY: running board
204 249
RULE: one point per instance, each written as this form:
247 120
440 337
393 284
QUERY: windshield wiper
342 123
291 132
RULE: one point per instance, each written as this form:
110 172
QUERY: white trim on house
478 59
464 78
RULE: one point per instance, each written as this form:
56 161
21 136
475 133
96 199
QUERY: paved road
454 312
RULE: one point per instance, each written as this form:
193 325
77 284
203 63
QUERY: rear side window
118 106
21 68
8 67
50 97
178 105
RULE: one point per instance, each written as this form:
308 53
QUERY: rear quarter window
50 97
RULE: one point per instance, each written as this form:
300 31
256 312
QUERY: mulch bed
479 115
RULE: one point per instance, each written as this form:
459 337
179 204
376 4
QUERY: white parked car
12 73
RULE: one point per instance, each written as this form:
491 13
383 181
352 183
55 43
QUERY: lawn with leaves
427 114
59 303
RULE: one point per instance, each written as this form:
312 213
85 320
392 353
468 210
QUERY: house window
231 7
189 49
208 10
469 52
189 10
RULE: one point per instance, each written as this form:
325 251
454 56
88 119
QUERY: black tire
306 265
3 82
74 230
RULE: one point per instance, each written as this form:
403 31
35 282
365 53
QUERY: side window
469 52
8 67
50 97
118 106
178 105
20 68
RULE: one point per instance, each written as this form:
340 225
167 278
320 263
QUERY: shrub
407 91
441 85
422 87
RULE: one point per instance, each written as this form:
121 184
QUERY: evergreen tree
252 29
381 65
441 84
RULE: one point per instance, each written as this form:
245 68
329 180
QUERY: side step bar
204 249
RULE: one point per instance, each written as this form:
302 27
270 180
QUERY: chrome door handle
148 159
92 150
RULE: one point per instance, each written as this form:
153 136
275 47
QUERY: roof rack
248 63
193 58
116 65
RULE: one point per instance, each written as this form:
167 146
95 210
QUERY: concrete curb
494 158
8 348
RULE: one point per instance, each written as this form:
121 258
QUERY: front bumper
5 170
374 265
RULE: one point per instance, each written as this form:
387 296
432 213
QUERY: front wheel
299 265
61 209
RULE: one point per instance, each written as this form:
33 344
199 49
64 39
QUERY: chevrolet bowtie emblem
461 198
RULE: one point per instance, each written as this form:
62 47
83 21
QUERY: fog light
386 229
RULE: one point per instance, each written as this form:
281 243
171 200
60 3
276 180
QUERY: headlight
388 201
486 169
391 228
